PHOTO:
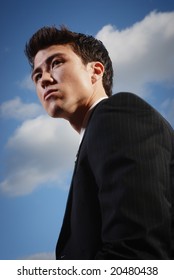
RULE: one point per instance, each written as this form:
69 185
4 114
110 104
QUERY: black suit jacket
120 204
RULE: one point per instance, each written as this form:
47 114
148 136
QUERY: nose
47 79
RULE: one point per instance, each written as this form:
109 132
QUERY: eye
56 62
37 77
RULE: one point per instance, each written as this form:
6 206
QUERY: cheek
82 81
39 95
39 91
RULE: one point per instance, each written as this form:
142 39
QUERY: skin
65 86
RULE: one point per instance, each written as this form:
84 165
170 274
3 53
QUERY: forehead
42 55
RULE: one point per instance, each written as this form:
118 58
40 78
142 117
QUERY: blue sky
37 152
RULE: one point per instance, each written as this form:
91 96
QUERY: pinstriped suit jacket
121 200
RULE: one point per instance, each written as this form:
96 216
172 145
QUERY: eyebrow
47 61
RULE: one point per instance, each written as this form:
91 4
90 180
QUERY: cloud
16 109
41 256
42 150
143 53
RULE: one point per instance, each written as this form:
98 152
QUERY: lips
49 93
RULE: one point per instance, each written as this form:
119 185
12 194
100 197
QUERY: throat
78 119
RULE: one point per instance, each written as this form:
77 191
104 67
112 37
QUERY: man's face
63 83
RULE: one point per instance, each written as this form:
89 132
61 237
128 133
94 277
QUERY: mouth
49 93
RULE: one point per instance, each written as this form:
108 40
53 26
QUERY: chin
52 115
56 113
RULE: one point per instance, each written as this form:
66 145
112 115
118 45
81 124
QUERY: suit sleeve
129 153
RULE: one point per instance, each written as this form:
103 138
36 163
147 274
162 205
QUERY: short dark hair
86 47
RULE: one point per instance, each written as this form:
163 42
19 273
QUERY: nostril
47 79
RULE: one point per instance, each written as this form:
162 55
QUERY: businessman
121 198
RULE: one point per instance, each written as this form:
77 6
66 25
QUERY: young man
120 203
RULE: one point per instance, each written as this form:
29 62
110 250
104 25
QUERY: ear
97 71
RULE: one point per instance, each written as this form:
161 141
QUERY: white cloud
41 151
16 109
143 53
41 256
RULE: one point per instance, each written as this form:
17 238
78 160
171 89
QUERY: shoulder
121 101
121 105
127 99
124 112
126 104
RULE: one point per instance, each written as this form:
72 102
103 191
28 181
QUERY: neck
77 119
